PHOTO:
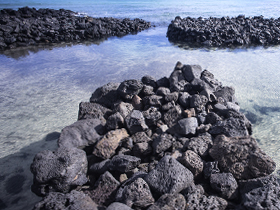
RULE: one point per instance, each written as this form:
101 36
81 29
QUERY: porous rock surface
28 26
225 31
181 143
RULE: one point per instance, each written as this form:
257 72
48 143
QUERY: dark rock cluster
225 31
28 26
173 143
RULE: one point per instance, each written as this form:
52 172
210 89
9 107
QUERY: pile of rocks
225 31
28 26
173 143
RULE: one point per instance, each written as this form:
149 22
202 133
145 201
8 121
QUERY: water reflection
20 52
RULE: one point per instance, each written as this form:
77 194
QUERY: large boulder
169 176
81 133
59 171
242 157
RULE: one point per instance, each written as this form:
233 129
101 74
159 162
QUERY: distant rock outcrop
28 26
225 31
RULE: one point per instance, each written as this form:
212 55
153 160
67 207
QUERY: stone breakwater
225 31
173 143
28 26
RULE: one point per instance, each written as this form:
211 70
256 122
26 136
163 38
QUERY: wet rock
104 190
169 202
129 88
72 200
242 157
137 193
124 163
225 184
107 145
58 171
169 176
106 95
81 133
135 122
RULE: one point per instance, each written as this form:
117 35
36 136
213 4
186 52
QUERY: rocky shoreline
28 26
225 31
173 143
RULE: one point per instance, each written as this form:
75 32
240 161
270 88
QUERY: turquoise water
41 87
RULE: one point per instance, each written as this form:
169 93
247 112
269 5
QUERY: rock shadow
16 178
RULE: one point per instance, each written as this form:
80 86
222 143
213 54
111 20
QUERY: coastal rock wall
174 143
28 26
225 31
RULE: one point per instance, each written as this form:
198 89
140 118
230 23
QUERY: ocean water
41 87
